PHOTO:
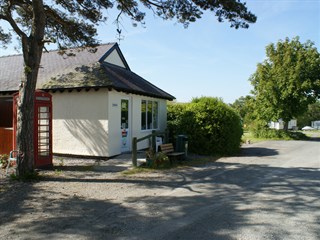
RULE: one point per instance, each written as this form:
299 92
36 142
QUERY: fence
151 136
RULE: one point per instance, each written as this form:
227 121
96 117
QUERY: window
43 131
124 114
143 115
149 115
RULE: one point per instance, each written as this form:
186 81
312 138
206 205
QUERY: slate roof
85 70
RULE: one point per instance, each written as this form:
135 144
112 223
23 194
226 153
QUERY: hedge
212 126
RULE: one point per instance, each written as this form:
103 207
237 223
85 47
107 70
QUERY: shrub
263 131
3 160
211 125
157 160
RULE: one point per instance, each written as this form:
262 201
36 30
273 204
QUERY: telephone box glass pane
43 131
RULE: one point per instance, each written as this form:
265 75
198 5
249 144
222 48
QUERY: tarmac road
270 191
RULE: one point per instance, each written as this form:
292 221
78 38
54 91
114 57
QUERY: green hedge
212 126
262 131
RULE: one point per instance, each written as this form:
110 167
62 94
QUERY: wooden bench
169 151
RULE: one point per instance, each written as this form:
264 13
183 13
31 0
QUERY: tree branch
53 15
153 3
13 24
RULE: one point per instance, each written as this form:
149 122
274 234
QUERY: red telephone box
42 128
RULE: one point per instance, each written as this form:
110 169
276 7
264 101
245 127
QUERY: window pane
143 115
43 122
43 109
43 115
149 115
43 129
124 114
155 115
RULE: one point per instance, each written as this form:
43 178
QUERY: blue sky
210 58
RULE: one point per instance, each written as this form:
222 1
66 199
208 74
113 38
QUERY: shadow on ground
222 194
314 139
258 152
90 168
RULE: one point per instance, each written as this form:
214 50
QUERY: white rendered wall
114 127
80 123
292 124
88 123
315 124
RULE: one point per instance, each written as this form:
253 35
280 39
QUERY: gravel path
90 194
270 191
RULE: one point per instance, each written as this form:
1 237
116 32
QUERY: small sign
43 98
124 133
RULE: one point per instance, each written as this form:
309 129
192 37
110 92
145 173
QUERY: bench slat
169 151
166 148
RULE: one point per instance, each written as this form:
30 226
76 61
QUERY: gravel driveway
270 191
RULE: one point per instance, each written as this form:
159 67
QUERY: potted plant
150 157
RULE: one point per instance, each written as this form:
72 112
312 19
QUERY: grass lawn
290 135
249 136
313 133
191 161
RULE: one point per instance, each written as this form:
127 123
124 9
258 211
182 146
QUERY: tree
72 23
244 106
312 114
287 81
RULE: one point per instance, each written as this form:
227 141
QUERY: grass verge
191 161
272 134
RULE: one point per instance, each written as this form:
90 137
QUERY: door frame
125 136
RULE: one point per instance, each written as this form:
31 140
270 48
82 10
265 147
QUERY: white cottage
99 104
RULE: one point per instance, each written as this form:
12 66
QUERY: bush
157 160
3 160
212 126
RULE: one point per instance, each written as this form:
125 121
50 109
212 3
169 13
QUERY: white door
125 131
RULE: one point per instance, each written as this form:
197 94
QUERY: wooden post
153 141
134 151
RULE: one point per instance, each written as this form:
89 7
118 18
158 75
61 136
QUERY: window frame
149 121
